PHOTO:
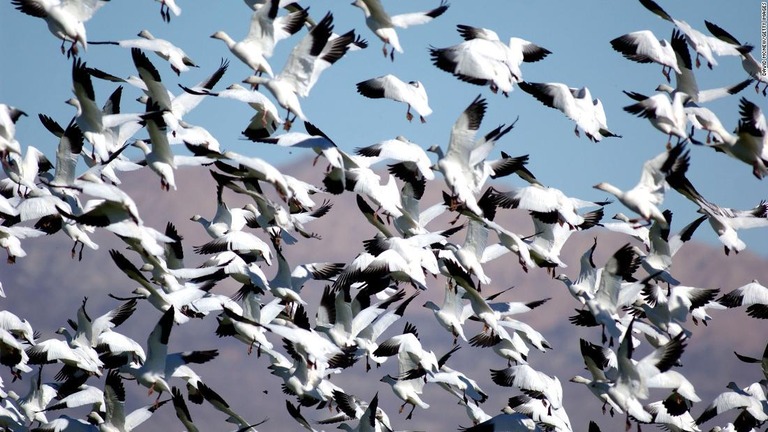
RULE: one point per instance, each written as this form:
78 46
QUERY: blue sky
35 77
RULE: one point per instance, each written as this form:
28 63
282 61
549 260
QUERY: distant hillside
47 287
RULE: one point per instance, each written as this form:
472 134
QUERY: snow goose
643 47
151 373
749 400
383 25
159 157
665 114
754 295
8 117
705 46
370 416
748 61
532 382
544 200
724 221
173 108
747 143
166 50
540 412
645 197
685 80
389 86
463 164
265 31
483 59
664 247
403 151
66 20
313 54
576 103
453 312
672 421
97 127
115 417
248 327
266 119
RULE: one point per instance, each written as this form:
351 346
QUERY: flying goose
748 61
753 295
265 31
8 117
748 142
645 197
724 221
389 86
166 50
383 25
483 59
463 164
66 20
312 55
576 103
665 114
643 47
705 46
685 80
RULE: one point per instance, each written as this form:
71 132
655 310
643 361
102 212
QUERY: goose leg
409 116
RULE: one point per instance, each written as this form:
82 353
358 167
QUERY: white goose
665 114
685 80
648 193
66 19
313 54
747 143
751 66
705 46
266 119
8 117
576 103
753 295
724 221
483 59
266 30
464 165
389 86
383 25
169 52
643 47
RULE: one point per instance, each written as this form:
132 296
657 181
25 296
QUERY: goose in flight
665 114
753 295
685 80
747 143
383 25
724 221
643 47
66 19
316 52
645 197
389 86
753 68
265 31
464 165
8 117
705 46
577 104
483 59
169 52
